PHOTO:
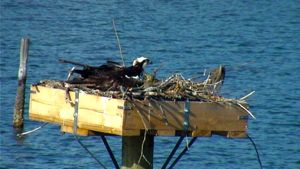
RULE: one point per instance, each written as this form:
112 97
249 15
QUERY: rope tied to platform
142 156
256 150
32 131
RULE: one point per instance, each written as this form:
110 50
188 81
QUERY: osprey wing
113 64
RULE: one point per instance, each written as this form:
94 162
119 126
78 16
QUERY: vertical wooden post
19 104
131 152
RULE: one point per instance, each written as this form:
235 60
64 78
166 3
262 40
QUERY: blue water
258 42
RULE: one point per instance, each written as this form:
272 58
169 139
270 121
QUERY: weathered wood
208 116
81 132
20 97
127 118
131 152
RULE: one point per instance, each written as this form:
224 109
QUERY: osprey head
141 61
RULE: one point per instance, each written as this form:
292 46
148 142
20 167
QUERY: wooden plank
237 134
166 132
127 118
204 116
107 118
68 129
130 132
42 118
201 133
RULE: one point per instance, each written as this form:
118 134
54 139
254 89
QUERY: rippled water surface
258 42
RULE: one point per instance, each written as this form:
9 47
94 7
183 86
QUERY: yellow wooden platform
103 115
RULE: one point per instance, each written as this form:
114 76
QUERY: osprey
137 67
109 74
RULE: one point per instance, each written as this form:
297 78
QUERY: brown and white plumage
109 74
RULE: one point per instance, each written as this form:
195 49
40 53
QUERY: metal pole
173 152
183 152
111 154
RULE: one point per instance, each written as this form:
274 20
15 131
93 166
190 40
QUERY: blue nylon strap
186 123
75 115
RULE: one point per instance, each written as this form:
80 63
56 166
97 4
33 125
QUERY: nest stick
119 44
248 95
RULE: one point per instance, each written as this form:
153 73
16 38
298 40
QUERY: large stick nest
175 87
